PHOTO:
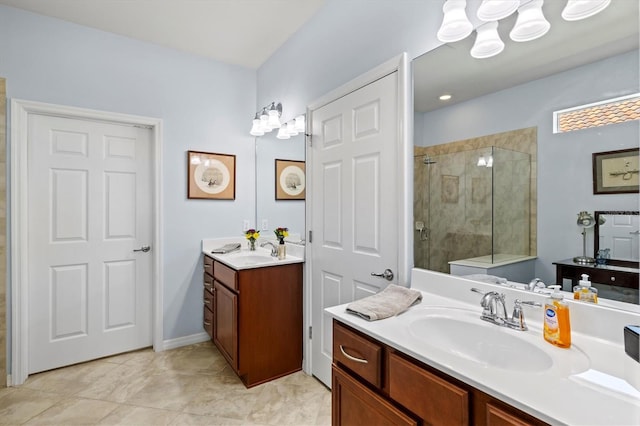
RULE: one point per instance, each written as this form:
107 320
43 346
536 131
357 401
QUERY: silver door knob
143 249
387 274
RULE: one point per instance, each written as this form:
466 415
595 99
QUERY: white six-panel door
89 199
354 200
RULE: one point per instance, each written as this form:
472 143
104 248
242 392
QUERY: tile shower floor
192 385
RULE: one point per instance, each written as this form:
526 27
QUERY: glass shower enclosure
471 205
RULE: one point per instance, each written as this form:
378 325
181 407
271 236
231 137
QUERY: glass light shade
581 9
291 128
264 121
455 24
482 162
274 121
256 128
490 161
300 125
531 23
282 133
488 41
494 10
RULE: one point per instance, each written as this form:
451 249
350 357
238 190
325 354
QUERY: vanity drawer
208 265
226 275
207 322
208 282
207 298
357 353
432 398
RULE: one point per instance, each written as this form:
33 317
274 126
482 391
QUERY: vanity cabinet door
352 403
225 318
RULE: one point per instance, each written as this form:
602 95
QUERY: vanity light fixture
292 127
266 119
581 9
455 24
531 23
488 42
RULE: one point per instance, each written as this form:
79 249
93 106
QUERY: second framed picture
290 180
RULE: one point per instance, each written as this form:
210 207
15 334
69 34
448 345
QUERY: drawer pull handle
207 323
207 301
352 358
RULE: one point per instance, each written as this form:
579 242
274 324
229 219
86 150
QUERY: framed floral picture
616 172
290 180
211 176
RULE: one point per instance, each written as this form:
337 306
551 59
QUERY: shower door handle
387 274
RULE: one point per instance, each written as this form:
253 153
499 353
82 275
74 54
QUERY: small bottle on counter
557 322
584 291
282 249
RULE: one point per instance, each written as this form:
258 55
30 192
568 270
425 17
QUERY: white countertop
599 389
247 259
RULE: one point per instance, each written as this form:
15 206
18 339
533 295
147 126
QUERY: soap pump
584 291
557 322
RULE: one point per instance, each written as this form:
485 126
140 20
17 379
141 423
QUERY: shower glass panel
471 205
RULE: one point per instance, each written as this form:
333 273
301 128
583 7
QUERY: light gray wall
564 160
205 105
343 40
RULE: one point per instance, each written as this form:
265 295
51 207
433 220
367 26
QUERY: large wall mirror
575 63
271 212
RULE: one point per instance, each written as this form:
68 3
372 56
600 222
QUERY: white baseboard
185 341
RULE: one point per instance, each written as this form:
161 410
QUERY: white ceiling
451 69
241 32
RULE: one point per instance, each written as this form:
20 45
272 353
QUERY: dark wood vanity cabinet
375 384
257 319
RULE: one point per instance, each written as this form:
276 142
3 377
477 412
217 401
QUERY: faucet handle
517 317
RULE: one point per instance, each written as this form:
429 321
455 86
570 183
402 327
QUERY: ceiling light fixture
531 23
494 10
488 42
455 25
581 9
445 97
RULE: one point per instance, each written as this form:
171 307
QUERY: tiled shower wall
462 202
3 234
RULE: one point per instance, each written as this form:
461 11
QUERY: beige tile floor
192 385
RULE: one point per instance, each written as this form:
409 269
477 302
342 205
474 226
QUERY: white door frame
404 200
20 111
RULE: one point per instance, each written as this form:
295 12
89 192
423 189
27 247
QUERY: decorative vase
282 249
252 245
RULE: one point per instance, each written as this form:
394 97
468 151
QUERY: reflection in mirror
616 240
272 213
591 61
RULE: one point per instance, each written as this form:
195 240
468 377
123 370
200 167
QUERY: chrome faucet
535 283
274 249
491 302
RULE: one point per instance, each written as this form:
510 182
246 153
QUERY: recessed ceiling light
444 97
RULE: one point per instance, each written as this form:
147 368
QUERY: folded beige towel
391 301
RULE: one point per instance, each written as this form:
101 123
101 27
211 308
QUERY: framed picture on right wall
616 172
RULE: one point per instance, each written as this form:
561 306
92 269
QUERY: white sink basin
251 259
258 258
485 344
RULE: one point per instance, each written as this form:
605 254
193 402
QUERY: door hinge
310 332
310 237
